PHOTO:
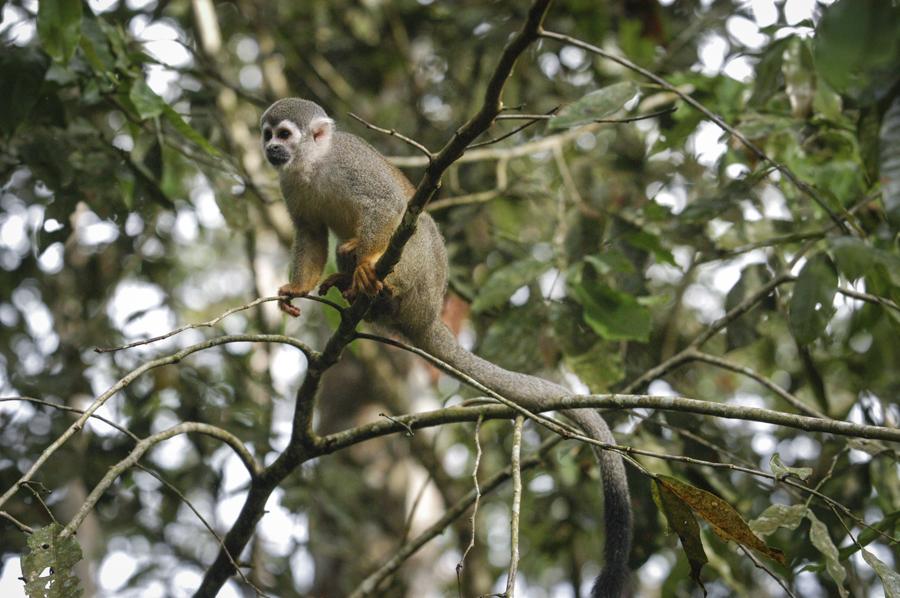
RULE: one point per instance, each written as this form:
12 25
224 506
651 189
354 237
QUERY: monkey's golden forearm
309 252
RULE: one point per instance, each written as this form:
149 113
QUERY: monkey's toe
289 309
339 280
365 280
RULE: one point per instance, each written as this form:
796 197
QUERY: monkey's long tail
531 392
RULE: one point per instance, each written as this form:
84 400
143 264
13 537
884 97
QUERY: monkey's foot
339 280
364 281
288 292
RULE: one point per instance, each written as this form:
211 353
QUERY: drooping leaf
652 245
189 132
22 71
742 331
682 521
47 552
855 258
776 516
818 534
888 525
781 470
504 281
59 27
799 79
857 48
599 367
612 314
890 579
812 304
721 516
889 161
599 103
145 100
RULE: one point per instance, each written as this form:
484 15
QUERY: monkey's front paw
365 280
288 292
339 280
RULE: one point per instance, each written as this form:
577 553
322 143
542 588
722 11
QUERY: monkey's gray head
295 132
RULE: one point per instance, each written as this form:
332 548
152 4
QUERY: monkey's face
282 142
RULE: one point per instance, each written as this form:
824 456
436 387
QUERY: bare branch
125 381
21 526
207 324
394 133
750 373
516 467
472 519
142 447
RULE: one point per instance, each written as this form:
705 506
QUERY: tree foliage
622 241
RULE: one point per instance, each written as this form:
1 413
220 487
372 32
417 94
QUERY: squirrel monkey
335 180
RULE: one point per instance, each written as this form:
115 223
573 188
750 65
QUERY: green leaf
22 71
651 244
742 331
721 516
889 578
855 258
874 532
145 100
781 470
776 516
612 314
599 103
59 27
799 79
857 48
504 281
682 521
889 161
599 367
812 304
818 534
47 552
188 131
611 262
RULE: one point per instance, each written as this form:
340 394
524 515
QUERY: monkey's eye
267 134
284 134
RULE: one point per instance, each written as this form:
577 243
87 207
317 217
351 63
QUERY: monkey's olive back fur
335 180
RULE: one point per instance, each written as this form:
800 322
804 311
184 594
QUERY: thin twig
207 324
126 380
516 466
868 297
627 119
472 519
36 488
371 583
760 565
394 133
22 527
750 373
142 447
409 431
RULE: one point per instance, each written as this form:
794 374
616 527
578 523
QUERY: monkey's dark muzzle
277 155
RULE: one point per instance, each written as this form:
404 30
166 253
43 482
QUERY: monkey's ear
321 128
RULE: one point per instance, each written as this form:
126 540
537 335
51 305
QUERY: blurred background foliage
135 199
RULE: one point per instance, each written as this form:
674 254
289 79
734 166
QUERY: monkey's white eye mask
282 142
